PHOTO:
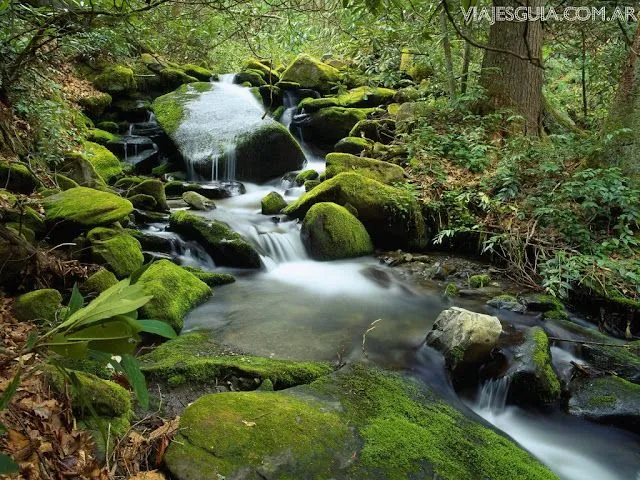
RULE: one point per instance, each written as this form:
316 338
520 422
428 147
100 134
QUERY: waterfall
493 394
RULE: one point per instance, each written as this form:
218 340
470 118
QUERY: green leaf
135 276
111 330
136 380
7 465
77 300
158 327
8 394
115 346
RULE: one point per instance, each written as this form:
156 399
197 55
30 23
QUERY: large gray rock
464 337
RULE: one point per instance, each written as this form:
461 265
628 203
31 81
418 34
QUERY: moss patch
353 145
354 98
116 80
99 281
383 172
86 206
105 163
309 72
117 249
213 279
16 177
479 281
169 109
272 203
40 306
153 188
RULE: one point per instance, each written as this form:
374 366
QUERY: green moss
309 72
549 387
252 77
99 281
95 105
353 145
101 137
117 249
608 398
602 401
86 206
107 126
479 281
555 315
310 185
198 72
77 167
116 80
391 216
16 177
383 172
22 230
330 232
382 130
267 73
213 279
143 202
197 201
153 188
171 78
305 175
272 203
169 109
127 183
64 182
451 290
333 123
41 306
175 291
355 98
226 247
105 163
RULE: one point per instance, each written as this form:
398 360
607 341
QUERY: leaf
77 300
136 380
135 276
8 394
7 465
115 346
158 327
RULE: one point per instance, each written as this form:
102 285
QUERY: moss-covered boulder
252 77
116 80
108 126
78 168
105 163
329 125
226 247
606 399
175 291
355 98
153 188
39 306
311 184
353 145
382 130
383 172
272 203
141 201
507 302
99 281
359 423
309 174
201 73
101 137
391 216
330 232
270 75
95 105
16 177
197 201
169 109
171 78
213 279
64 182
309 72
195 358
117 250
533 379
86 207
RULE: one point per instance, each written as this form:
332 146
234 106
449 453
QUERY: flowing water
297 308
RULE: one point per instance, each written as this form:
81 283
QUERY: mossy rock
64 182
196 359
270 75
383 172
143 202
533 379
86 207
107 126
507 302
127 183
16 177
271 97
383 130
116 80
391 216
479 281
359 423
101 137
105 163
197 201
175 291
329 125
272 203
309 72
24 217
252 77
213 279
311 184
172 78
330 232
39 306
169 109
226 247
153 188
78 168
116 249
95 105
353 145
99 281
305 175
198 72
355 98
606 399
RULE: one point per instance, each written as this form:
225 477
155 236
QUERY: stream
301 309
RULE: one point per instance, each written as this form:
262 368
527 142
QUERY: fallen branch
584 342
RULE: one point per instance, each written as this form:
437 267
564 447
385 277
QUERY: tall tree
512 72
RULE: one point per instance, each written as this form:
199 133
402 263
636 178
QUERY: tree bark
509 80
446 44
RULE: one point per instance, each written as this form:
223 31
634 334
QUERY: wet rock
305 175
330 124
507 302
272 203
143 202
309 72
153 188
197 201
533 378
606 400
353 145
464 337
383 172
214 190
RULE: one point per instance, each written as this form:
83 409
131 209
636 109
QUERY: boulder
330 232
383 172
198 72
305 175
197 201
464 337
153 188
213 279
40 306
391 216
533 379
226 247
175 291
329 125
95 105
507 302
16 177
117 250
78 168
105 163
607 400
171 78
214 191
272 203
355 98
116 80
86 207
101 137
271 97
353 145
383 130
141 201
309 72
311 184
99 281
252 77
358 423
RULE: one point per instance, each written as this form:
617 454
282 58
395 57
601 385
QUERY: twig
583 342
372 326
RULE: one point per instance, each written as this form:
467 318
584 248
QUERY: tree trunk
446 44
624 149
511 70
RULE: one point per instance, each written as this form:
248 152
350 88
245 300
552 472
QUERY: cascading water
493 394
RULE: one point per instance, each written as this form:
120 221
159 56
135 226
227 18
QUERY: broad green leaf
76 302
158 327
114 329
8 394
136 380
63 347
7 465
120 346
